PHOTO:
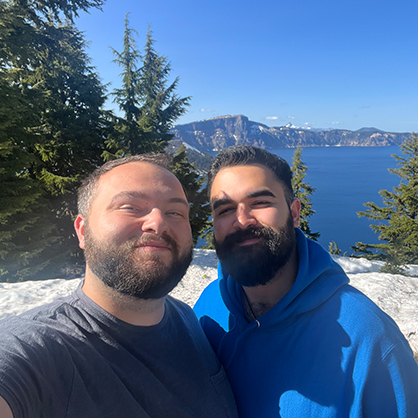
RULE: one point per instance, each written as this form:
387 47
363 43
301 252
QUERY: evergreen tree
53 10
193 184
150 107
333 248
398 218
149 104
303 191
20 194
128 139
160 106
207 235
51 135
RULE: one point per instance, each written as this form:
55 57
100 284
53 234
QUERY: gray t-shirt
71 358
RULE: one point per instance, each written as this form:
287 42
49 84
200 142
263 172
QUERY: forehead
144 177
244 179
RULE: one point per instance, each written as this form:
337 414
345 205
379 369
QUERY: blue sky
343 64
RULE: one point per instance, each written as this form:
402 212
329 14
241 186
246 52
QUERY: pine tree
20 194
333 248
51 135
303 191
397 220
160 106
194 186
149 104
54 9
150 107
128 139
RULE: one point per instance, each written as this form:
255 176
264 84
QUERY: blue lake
345 178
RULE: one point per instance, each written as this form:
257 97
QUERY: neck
262 298
134 311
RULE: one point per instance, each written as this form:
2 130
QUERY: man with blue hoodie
295 338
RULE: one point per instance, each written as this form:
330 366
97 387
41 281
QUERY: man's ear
295 211
79 224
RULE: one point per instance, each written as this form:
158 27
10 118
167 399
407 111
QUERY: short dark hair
249 155
88 188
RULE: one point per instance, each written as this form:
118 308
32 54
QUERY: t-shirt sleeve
26 374
18 383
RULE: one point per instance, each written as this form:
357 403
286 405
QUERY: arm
392 387
5 411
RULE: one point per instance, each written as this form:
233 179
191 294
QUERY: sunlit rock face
221 132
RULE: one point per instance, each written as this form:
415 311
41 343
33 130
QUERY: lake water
345 178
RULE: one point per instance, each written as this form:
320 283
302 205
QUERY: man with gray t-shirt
119 346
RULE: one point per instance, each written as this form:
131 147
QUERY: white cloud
335 123
272 117
206 110
291 117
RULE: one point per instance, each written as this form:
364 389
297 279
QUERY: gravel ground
198 276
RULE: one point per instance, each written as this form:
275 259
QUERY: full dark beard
257 264
131 273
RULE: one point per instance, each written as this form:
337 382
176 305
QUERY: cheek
113 228
220 229
182 233
273 218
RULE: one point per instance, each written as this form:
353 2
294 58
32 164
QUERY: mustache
145 238
244 234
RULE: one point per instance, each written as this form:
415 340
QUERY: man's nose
245 217
155 222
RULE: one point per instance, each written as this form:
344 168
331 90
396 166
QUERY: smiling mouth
249 241
154 245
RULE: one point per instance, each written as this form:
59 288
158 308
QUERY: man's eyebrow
127 194
136 194
179 200
263 192
226 201
220 202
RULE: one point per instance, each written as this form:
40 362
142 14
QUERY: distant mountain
370 130
218 133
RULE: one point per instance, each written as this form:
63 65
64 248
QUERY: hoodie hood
317 272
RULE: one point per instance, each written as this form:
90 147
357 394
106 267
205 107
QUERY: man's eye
175 214
224 211
129 208
261 203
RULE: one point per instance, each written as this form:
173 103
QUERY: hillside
218 133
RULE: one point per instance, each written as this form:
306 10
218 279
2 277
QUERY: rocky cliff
221 132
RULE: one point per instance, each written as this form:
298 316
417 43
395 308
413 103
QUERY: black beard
128 272
257 264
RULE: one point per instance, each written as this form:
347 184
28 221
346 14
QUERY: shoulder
32 350
213 314
357 307
177 305
42 325
181 314
365 322
184 322
50 310
383 357
210 302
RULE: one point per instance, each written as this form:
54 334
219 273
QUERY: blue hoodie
324 350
